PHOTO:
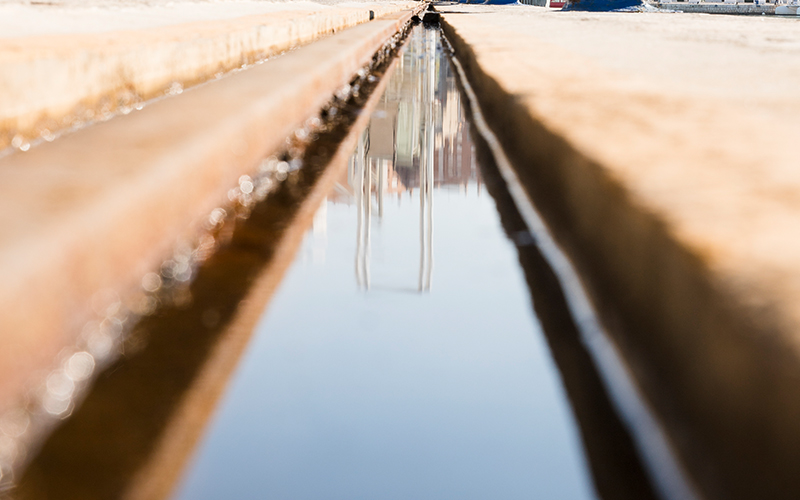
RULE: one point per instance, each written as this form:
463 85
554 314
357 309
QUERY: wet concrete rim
165 355
648 435
36 403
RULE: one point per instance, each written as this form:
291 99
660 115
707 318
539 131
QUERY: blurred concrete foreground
108 166
64 63
660 148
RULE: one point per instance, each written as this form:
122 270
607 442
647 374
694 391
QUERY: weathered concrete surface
660 147
96 209
63 65
22 18
139 426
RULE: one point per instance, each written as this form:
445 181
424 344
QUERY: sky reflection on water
400 358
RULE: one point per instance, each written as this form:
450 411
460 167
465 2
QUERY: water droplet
205 248
343 92
217 216
183 272
263 189
268 165
80 366
314 123
301 134
99 344
55 406
59 385
151 282
15 422
111 326
175 89
183 256
167 269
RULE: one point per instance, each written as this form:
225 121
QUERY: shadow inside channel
616 467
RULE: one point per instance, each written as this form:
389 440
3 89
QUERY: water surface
401 357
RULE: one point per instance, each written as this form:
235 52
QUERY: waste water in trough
418 347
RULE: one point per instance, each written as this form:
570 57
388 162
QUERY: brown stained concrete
138 427
660 149
97 209
185 429
51 82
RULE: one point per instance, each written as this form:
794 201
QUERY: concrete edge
721 383
55 273
159 477
53 84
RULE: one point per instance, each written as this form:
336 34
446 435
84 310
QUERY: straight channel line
662 466
94 211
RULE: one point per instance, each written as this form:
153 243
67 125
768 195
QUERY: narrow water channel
401 357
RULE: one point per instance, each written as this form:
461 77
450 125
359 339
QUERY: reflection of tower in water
426 166
417 137
362 186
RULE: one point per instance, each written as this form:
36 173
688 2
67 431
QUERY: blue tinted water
401 357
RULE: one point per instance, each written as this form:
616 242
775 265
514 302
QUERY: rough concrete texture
68 63
138 428
661 148
98 208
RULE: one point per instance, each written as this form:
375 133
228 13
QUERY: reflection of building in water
417 138
421 98
315 251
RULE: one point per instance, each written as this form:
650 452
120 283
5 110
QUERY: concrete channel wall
85 217
52 82
658 147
